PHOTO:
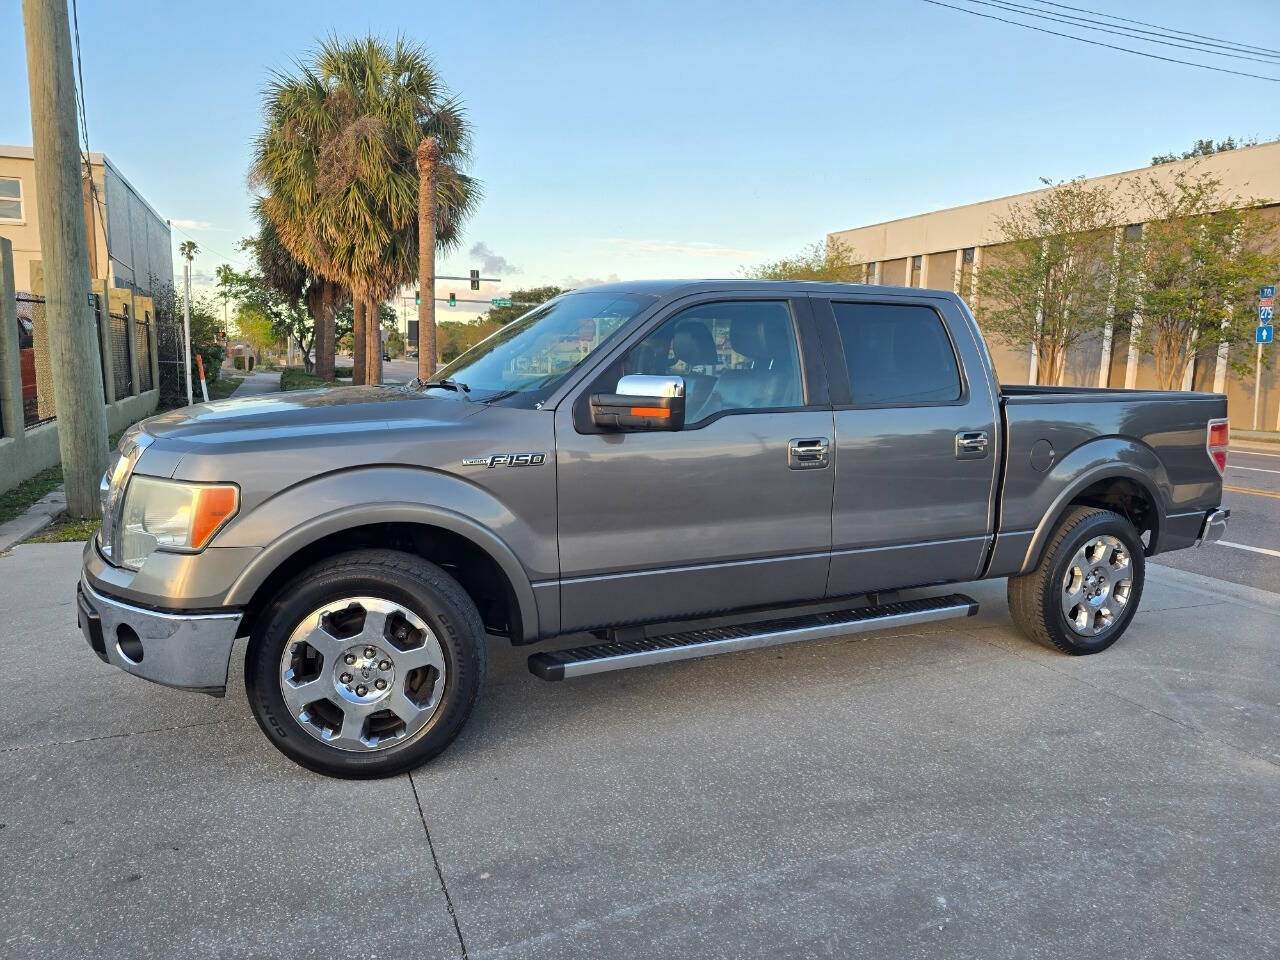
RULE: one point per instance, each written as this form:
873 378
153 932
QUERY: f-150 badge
507 460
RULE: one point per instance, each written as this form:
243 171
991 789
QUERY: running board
622 654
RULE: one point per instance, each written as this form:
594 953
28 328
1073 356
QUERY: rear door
723 514
916 442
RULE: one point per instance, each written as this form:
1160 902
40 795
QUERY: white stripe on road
1232 466
1252 453
1245 546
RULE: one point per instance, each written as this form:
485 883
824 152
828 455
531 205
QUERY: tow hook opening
128 643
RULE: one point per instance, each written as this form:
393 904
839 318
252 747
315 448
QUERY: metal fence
142 347
121 352
37 378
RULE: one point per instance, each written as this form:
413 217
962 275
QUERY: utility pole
428 175
188 250
73 338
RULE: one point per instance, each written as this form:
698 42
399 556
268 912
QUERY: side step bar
622 654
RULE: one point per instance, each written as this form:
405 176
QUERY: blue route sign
1264 334
1265 314
1267 292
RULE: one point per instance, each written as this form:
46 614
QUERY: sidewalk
265 381
949 789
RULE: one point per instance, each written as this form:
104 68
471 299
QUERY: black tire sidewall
457 629
1108 524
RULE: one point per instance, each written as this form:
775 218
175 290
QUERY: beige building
130 246
943 250
129 260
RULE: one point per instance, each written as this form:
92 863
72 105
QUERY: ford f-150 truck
668 469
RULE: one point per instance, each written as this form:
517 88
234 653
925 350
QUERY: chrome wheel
362 674
1097 585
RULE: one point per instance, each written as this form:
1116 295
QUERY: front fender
295 518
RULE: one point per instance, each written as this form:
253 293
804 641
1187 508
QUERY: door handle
808 453
971 445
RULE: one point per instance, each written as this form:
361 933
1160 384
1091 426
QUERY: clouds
679 248
492 264
183 223
577 283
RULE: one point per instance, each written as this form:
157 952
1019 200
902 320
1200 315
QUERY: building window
917 267
1133 232
967 255
10 198
871 272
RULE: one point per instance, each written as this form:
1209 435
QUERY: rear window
897 354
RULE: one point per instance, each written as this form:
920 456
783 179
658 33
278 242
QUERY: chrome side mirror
641 402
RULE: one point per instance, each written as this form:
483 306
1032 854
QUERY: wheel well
1129 499
478 573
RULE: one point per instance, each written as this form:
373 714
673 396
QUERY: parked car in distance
679 468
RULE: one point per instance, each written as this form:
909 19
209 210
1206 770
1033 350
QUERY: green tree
337 168
522 301
1048 278
1191 279
832 262
1203 148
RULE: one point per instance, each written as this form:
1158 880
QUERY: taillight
1219 436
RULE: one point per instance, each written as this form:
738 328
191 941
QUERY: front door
720 515
916 444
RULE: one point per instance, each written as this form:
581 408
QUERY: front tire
366 665
1086 589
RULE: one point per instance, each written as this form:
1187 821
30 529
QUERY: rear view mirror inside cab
640 403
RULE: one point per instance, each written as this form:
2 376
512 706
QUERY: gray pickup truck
668 469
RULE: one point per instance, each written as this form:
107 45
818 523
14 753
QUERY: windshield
528 358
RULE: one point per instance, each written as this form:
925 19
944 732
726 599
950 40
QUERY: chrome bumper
1214 526
190 651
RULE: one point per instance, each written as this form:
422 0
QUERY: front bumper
189 650
1214 526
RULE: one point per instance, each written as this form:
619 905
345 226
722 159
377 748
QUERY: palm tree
337 167
188 250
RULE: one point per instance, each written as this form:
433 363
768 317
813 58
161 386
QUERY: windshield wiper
448 383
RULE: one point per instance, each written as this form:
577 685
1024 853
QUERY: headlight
172 515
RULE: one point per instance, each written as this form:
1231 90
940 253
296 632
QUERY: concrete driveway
951 790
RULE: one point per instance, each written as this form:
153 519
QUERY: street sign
501 301
1265 314
1264 334
1267 293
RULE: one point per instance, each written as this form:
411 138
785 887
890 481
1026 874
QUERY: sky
689 139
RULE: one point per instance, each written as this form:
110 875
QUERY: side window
736 355
897 354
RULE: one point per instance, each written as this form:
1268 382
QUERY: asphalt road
1250 552
949 790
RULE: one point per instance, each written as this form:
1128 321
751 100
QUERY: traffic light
417 298
475 279
453 299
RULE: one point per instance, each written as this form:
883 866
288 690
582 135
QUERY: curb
1223 589
36 517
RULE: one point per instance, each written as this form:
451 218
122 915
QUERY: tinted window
738 355
897 354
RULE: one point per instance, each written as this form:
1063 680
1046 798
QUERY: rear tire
1085 591
366 665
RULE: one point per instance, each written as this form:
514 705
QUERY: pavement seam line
448 899
120 736
1136 703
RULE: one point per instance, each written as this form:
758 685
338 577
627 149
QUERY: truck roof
669 288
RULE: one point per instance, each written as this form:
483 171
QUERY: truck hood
331 409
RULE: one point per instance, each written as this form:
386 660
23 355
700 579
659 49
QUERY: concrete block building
943 249
130 263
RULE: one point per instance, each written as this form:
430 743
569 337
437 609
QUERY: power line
1143 23
1099 43
1087 24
